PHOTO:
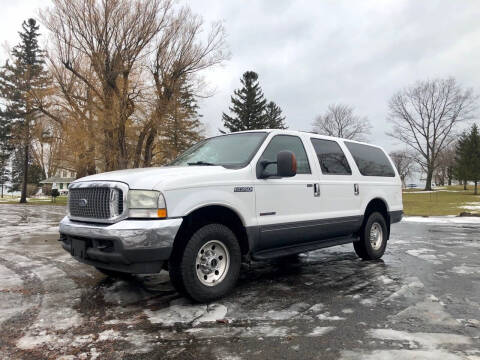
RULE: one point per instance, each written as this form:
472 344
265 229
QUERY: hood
159 178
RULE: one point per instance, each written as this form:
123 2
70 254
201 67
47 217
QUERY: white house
60 180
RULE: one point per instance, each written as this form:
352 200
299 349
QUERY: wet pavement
421 301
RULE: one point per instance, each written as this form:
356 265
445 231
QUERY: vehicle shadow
296 278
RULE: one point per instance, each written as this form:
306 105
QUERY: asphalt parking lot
421 301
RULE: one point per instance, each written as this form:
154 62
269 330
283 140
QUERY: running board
296 249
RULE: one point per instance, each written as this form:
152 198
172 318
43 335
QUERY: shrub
55 193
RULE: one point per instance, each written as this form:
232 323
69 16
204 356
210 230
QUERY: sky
310 54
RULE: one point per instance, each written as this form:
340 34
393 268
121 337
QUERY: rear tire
373 238
209 265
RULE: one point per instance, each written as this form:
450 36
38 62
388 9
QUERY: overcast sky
309 54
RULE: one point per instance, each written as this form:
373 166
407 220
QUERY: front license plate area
79 248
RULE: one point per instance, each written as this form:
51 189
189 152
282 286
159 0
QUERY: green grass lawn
61 201
446 201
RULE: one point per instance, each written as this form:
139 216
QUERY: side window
290 143
371 161
331 157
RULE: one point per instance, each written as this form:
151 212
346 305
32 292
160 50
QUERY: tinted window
371 161
290 143
331 157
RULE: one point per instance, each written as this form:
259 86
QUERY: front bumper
132 246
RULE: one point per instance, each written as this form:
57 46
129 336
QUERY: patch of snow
176 314
401 355
186 314
109 335
214 312
425 340
242 332
326 316
29 342
419 192
424 254
443 219
385 279
407 289
320 330
316 307
465 269
82 340
427 312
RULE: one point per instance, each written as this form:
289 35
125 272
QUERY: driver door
286 207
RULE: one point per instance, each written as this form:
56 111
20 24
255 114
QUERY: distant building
60 180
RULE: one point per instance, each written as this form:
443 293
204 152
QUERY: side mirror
286 164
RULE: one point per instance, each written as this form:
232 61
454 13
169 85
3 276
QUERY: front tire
373 238
209 265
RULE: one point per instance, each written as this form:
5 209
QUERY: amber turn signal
162 213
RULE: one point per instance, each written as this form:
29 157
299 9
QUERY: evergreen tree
461 159
21 83
273 117
474 150
248 106
182 128
467 160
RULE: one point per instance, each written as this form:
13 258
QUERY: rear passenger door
339 200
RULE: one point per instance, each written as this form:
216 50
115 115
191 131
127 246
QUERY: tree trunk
23 197
464 184
148 154
139 146
2 191
476 190
428 185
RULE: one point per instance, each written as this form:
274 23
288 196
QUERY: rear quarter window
331 157
370 160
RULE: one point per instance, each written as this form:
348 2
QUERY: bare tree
444 171
181 53
340 121
404 161
112 37
424 117
46 146
118 67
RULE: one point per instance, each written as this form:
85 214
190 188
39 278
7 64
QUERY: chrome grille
95 203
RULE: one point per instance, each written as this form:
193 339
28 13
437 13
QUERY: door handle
356 189
316 189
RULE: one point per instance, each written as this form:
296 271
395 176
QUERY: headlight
146 204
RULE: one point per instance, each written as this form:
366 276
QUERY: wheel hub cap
212 263
376 236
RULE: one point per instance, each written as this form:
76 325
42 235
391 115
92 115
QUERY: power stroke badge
243 189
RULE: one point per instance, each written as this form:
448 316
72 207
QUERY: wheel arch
213 213
377 204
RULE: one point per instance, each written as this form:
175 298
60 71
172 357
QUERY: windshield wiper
201 163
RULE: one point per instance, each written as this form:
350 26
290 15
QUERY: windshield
233 150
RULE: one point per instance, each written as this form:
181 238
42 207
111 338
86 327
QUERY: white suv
247 195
